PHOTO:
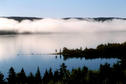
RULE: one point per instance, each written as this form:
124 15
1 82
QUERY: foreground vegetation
110 50
105 75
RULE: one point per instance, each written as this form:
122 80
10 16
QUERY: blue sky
63 8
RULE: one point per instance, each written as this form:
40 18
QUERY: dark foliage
2 81
38 76
110 50
105 75
11 76
21 77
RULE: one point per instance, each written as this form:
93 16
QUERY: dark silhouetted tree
21 77
56 76
12 76
46 77
2 78
38 76
63 72
50 74
31 79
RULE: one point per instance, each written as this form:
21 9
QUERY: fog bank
49 25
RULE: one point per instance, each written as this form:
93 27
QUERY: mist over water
30 51
61 25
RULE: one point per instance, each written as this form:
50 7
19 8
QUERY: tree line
110 50
105 75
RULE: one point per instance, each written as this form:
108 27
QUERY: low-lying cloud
60 25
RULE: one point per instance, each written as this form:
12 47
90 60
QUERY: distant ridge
67 18
95 19
23 18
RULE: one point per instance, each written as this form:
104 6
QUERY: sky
63 8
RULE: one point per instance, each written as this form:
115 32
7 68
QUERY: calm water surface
31 51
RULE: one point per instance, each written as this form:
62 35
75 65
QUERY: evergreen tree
63 71
31 79
38 76
50 74
46 77
12 76
21 77
56 76
1 78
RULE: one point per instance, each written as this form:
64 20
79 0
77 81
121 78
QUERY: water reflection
30 63
31 51
11 46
